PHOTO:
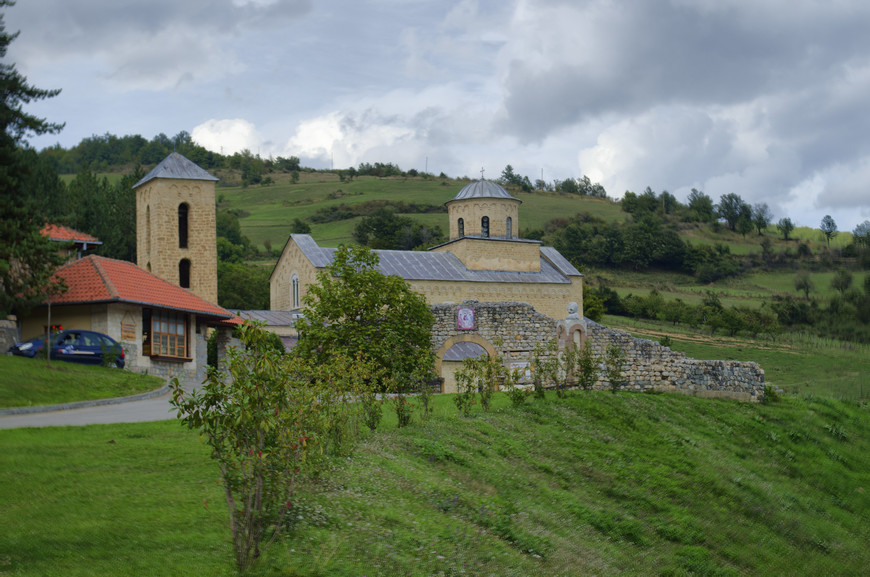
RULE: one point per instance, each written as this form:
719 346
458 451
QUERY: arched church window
484 227
184 273
294 287
148 231
183 210
508 225
461 227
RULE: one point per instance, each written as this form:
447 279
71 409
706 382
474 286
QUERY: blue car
76 346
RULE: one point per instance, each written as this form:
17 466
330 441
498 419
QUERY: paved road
154 409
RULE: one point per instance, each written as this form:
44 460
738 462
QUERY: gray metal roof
441 266
271 318
559 261
176 166
482 189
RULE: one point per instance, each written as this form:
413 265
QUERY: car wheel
117 364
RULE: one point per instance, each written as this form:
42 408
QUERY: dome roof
482 189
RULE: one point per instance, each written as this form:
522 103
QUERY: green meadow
626 484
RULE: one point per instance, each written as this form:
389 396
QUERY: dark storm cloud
638 55
77 25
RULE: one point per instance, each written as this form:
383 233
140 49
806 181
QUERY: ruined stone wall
649 365
513 329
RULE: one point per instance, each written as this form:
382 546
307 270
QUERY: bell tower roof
176 166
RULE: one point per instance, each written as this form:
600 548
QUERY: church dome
482 189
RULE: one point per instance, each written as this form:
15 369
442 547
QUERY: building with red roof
161 326
78 241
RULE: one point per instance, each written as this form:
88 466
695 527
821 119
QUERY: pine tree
27 259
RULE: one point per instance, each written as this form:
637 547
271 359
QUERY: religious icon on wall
465 319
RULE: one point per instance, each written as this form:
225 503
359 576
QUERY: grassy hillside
600 484
28 382
269 210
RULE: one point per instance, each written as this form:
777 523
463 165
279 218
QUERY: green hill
595 484
268 211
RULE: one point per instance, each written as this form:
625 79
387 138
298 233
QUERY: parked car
76 346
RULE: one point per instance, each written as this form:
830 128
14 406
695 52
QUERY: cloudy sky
765 98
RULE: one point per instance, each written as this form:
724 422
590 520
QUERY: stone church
486 284
484 260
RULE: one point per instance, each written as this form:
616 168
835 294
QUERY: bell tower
176 236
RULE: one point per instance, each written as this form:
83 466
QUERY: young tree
828 228
27 259
861 234
803 283
761 217
354 309
614 358
785 227
268 418
842 281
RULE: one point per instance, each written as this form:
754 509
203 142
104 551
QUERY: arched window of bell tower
484 227
507 227
461 224
148 232
183 211
184 273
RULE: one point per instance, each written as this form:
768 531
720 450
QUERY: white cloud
227 136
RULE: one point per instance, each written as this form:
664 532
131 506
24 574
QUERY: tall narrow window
184 273
294 284
484 227
507 228
183 210
461 224
148 232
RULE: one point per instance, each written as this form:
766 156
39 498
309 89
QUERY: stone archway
442 367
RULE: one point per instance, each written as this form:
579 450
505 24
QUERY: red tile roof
65 233
97 279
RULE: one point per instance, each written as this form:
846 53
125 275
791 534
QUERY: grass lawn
602 484
25 382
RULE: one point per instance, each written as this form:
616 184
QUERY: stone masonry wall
516 326
649 365
512 329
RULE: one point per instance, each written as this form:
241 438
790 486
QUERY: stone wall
510 329
513 329
649 365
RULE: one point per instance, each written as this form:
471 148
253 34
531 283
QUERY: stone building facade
176 235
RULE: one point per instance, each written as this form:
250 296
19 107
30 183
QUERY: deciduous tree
354 309
785 227
828 228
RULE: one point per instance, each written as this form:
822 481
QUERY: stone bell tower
176 236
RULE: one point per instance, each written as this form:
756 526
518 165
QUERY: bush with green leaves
613 360
269 417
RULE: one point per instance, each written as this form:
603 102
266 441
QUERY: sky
767 99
